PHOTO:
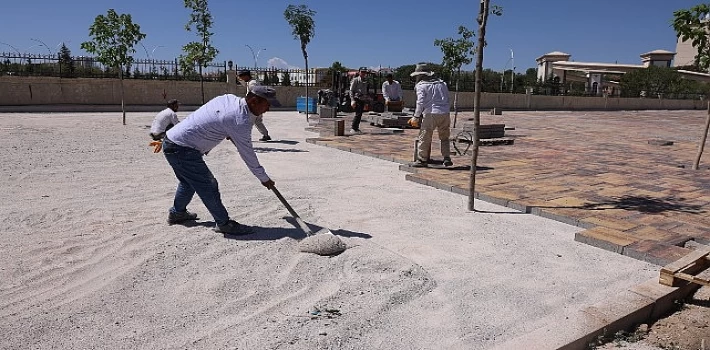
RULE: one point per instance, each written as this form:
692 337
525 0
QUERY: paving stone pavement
607 172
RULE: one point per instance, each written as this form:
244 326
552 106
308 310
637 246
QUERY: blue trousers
194 177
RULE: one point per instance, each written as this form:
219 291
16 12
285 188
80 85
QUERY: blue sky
362 33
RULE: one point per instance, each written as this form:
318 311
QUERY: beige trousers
431 122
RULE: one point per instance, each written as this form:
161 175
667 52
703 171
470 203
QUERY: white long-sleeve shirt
432 97
221 117
392 92
162 120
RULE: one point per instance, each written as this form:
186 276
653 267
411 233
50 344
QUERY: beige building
558 64
685 53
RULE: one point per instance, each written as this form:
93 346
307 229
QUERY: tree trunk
704 138
482 21
202 85
305 58
456 96
123 106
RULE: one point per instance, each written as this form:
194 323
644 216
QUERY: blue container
301 104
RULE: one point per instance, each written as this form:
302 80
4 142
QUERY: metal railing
27 64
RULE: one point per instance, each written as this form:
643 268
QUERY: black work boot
176 218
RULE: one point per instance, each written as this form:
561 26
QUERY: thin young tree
694 24
114 37
457 52
199 53
66 63
482 20
300 18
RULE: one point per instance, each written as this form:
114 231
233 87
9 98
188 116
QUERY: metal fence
317 77
26 64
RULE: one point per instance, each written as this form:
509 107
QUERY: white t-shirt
221 117
162 120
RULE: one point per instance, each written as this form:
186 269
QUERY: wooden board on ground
496 141
686 268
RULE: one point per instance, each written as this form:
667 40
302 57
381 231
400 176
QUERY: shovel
322 242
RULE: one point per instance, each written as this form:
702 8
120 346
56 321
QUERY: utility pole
512 73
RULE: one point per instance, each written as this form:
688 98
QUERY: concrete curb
643 303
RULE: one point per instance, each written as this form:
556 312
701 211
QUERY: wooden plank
691 278
496 141
469 127
689 259
685 268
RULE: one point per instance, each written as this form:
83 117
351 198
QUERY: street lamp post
14 48
56 48
255 56
502 76
144 49
152 58
153 51
43 44
512 73
511 60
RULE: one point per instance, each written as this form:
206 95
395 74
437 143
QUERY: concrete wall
40 91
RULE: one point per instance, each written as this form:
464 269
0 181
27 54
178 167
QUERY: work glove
268 184
157 146
414 122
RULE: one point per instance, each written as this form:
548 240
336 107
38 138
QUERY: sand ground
88 262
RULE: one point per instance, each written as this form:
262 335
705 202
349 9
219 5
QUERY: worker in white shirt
391 90
432 113
245 76
226 116
164 120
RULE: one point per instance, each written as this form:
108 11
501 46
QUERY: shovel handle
300 221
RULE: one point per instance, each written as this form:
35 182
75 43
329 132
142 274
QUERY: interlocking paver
596 170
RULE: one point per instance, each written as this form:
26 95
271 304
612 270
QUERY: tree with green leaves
650 82
5 66
273 77
113 39
198 53
693 24
457 52
66 63
286 79
334 69
300 18
402 74
266 80
482 19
